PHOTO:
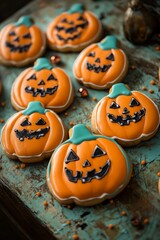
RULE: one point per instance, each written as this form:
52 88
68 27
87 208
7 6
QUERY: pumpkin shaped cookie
21 42
44 83
87 169
73 30
100 65
127 116
33 134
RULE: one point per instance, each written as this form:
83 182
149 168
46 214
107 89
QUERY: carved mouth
126 121
41 132
20 49
97 69
72 29
41 91
89 175
69 38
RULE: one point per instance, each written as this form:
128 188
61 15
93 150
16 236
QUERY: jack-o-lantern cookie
21 42
127 116
101 65
73 30
87 169
45 83
33 134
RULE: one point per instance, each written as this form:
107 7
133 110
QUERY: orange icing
30 148
107 186
37 41
86 35
135 130
101 79
56 101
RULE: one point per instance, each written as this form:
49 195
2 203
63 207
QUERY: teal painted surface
141 196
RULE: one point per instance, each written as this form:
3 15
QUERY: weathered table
140 200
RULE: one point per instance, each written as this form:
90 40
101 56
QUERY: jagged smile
41 91
41 132
128 118
89 175
97 69
20 49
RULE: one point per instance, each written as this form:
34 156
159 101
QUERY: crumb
38 194
90 116
136 221
133 67
157 48
0 166
1 120
45 203
23 165
158 174
71 124
2 104
16 167
151 91
94 99
66 114
110 226
68 222
123 213
111 201
143 162
146 221
75 237
152 82
144 88
74 108
58 5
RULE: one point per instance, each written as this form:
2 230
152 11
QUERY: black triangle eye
25 123
51 77
12 33
98 152
72 156
134 103
91 54
40 122
114 105
32 77
80 18
111 57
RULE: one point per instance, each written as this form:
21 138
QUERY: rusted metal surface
140 199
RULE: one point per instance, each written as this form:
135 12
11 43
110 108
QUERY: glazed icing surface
100 65
74 168
126 115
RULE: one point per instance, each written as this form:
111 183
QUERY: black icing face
96 62
83 175
126 117
30 134
19 41
70 27
41 85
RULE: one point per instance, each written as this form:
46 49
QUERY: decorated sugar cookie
33 134
45 83
21 42
73 30
87 169
100 65
128 116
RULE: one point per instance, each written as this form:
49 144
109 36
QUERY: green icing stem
109 42
24 20
42 63
33 107
78 7
119 89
